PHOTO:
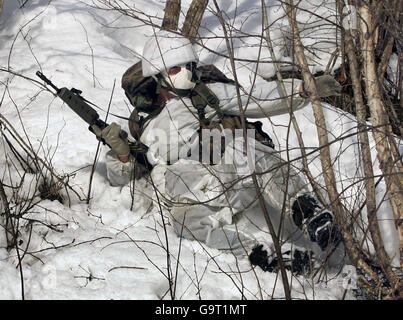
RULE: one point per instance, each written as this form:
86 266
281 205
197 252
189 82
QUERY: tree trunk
380 121
193 18
328 173
171 16
1 6
275 239
383 258
283 92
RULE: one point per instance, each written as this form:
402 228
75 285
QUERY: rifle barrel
79 105
47 81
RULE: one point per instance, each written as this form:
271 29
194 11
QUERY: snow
114 247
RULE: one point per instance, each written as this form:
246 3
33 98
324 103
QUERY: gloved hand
327 86
111 136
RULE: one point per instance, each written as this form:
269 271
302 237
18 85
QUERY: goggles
176 69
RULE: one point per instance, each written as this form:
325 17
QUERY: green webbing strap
200 95
203 96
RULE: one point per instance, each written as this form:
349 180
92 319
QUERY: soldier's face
176 69
180 77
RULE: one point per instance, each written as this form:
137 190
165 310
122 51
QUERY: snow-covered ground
115 247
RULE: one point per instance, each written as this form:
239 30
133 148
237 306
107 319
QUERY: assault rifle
72 97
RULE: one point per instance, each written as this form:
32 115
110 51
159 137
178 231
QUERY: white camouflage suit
216 204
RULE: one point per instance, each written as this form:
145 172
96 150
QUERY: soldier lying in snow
208 186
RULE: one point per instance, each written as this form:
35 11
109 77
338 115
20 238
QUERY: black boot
259 257
319 223
297 261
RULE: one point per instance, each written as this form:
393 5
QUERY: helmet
165 50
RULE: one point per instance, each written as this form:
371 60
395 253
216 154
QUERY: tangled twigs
34 155
6 217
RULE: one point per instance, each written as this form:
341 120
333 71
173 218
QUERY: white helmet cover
165 50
